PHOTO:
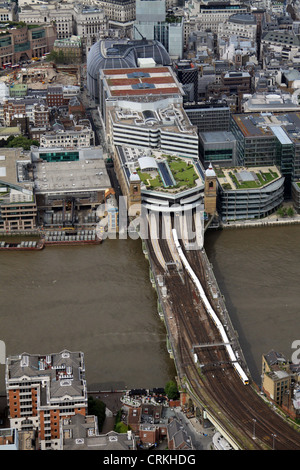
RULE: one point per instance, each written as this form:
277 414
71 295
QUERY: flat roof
57 177
141 81
250 178
218 136
284 126
8 165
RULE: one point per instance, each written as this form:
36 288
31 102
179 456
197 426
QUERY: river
96 299
99 300
257 270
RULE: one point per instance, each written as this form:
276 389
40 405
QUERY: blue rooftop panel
142 86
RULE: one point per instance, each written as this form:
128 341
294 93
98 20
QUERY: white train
211 311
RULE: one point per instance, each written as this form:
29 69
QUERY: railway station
212 373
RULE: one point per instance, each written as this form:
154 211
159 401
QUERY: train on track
210 311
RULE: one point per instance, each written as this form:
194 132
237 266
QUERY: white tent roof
147 162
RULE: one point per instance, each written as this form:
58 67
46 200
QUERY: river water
257 270
96 299
99 300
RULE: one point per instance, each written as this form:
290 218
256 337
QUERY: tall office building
150 10
187 74
151 23
44 389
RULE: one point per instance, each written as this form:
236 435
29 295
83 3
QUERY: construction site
38 75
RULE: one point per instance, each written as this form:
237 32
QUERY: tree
97 408
171 390
19 141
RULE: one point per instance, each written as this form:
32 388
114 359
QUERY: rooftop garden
245 179
150 181
182 172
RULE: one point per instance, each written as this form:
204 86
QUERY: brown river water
99 300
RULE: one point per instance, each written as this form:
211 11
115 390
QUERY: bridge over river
205 370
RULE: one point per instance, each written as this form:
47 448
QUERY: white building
84 19
143 107
90 23
241 25
213 13
235 49
60 13
269 102
80 136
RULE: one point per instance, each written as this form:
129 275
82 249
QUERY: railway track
241 410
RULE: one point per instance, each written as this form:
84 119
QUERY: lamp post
273 447
254 421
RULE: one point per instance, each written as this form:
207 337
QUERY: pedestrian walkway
271 220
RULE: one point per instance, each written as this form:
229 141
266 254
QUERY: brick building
21 43
44 389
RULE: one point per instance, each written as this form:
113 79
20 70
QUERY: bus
7 65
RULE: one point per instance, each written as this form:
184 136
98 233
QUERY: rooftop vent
25 361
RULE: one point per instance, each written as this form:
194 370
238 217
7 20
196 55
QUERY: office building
69 184
143 107
266 102
120 13
117 54
18 210
24 43
69 134
296 195
217 147
152 23
209 117
70 49
212 14
268 139
240 25
157 181
276 376
42 390
187 73
249 193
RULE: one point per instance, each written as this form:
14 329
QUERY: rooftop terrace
161 172
246 178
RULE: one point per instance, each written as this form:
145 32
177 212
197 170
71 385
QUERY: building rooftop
159 171
243 18
172 118
11 164
141 81
64 370
74 176
284 126
217 136
281 37
242 178
270 102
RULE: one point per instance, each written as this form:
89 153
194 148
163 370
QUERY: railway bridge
211 370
